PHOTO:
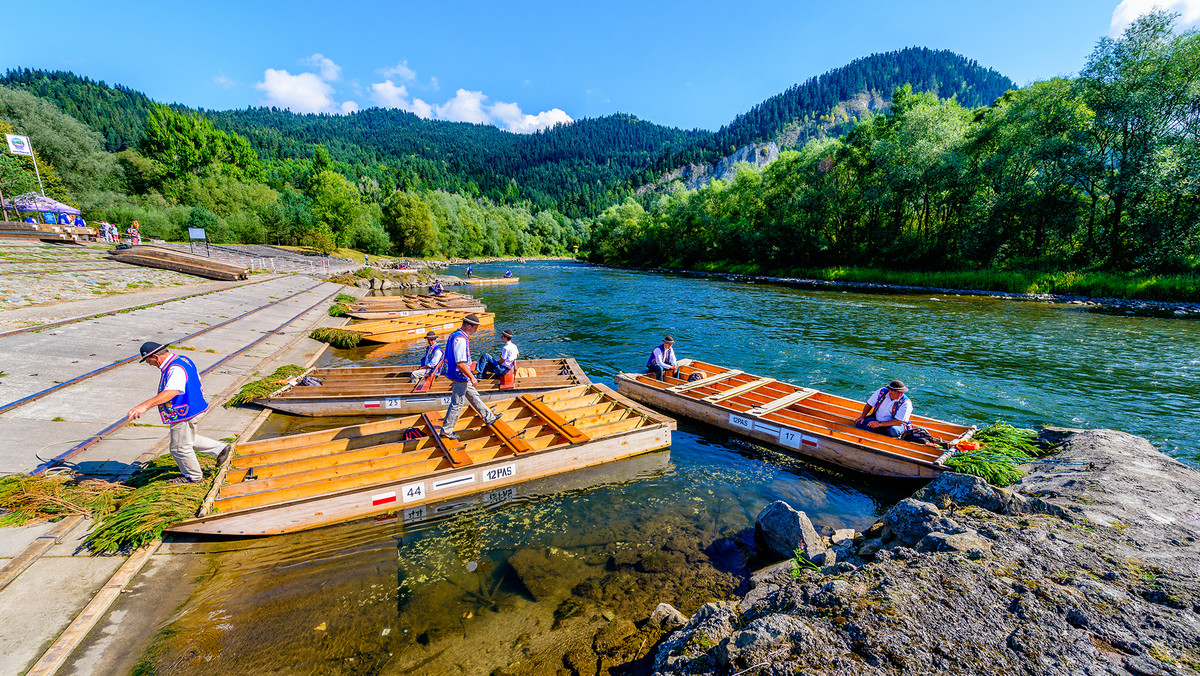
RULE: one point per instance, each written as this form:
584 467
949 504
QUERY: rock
707 628
724 554
962 542
761 637
843 537
910 520
965 490
875 530
363 284
667 617
780 530
386 284
662 562
545 573
869 548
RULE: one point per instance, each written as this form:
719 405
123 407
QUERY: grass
264 386
337 337
25 498
998 461
1093 284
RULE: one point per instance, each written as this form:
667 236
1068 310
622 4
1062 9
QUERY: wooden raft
387 389
179 261
801 420
414 327
302 481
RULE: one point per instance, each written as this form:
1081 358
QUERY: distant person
507 274
662 359
437 287
180 400
29 219
434 360
135 234
79 222
470 271
366 259
887 411
64 219
488 366
458 370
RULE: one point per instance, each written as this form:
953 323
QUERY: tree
187 144
409 222
337 206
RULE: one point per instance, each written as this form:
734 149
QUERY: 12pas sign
19 145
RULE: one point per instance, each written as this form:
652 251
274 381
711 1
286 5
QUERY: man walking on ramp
458 370
180 400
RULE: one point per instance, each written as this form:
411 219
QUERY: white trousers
184 445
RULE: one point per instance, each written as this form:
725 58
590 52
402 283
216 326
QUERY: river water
551 573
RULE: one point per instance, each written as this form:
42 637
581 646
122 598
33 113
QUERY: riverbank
1173 295
1087 566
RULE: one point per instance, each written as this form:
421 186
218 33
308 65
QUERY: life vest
440 364
190 402
507 273
650 363
883 393
452 370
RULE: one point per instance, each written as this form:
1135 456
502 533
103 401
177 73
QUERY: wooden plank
705 381
452 449
570 432
734 391
510 439
782 402
58 653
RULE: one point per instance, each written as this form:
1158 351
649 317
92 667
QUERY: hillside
577 169
830 104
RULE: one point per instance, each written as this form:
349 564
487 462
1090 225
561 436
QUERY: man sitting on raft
662 359
437 287
433 361
488 366
887 411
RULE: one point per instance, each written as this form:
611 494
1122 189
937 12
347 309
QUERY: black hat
506 333
898 386
150 348
471 319
431 336
668 339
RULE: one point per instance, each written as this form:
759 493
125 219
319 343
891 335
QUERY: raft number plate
738 421
788 438
413 492
496 473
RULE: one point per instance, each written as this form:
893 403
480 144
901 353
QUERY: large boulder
667 617
964 490
546 573
910 520
780 530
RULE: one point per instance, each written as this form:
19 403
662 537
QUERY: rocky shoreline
1087 566
1124 305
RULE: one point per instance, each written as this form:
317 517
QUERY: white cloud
433 84
349 107
466 106
223 80
330 71
510 116
1128 10
388 94
302 92
400 70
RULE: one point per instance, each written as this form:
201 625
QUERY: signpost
198 234
20 145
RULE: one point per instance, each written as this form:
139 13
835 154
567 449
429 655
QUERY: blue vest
452 370
441 365
190 402
650 362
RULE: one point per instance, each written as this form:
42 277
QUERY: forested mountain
577 169
812 108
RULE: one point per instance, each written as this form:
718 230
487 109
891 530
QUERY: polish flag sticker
383 498
371 404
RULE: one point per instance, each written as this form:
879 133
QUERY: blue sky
523 65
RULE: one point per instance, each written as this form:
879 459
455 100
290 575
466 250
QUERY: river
597 549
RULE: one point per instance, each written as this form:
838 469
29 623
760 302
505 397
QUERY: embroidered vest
190 402
439 365
666 361
452 370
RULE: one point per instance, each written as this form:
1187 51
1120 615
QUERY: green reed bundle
1004 449
337 337
264 386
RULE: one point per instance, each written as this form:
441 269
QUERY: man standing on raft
887 411
458 370
180 400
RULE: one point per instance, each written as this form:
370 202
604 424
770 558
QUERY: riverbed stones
960 542
546 573
842 537
780 530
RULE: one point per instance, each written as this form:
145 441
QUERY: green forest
1100 171
911 160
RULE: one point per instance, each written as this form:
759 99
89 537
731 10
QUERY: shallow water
530 574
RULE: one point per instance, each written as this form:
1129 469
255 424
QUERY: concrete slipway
40 602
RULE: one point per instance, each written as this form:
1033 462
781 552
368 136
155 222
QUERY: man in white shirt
431 361
662 359
887 411
463 381
508 358
180 400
